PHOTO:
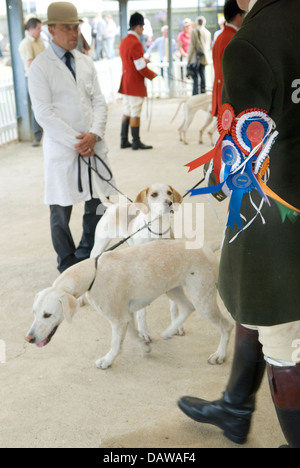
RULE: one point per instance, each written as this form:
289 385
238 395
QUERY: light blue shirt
159 45
60 52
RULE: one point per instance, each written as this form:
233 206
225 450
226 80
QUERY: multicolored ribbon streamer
241 158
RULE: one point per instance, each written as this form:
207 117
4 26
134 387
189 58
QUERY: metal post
171 68
123 18
15 27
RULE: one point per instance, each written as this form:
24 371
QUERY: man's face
65 35
35 32
243 4
139 29
165 32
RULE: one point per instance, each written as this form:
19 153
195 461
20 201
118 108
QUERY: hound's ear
177 198
142 202
69 305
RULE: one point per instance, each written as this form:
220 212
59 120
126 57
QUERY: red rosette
254 132
225 119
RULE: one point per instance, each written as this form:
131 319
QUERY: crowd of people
69 106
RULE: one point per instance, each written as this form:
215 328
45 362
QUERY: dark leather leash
88 163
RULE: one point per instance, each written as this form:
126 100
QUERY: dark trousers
36 128
67 253
199 85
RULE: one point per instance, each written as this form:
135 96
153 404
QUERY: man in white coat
70 107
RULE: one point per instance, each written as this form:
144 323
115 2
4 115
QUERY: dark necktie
68 56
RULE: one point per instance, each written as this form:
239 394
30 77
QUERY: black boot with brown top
233 412
124 132
135 132
285 390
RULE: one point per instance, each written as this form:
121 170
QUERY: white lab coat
66 108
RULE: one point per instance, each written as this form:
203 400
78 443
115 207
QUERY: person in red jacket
234 18
132 86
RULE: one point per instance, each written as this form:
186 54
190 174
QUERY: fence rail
109 74
8 119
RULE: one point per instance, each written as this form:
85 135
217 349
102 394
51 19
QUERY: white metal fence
8 119
109 74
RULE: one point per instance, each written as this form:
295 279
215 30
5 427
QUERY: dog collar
160 234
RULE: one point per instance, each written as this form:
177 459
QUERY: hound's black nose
30 338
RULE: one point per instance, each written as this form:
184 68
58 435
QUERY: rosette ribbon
240 183
225 120
240 160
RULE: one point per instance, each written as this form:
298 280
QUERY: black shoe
235 424
139 145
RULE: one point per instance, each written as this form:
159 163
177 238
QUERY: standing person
111 31
100 37
29 48
68 103
260 268
199 51
161 44
146 37
234 18
132 85
184 37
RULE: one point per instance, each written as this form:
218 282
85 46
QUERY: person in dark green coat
259 278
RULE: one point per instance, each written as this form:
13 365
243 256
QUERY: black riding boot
135 132
124 132
233 412
285 390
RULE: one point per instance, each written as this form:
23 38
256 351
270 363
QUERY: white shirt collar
134 34
232 26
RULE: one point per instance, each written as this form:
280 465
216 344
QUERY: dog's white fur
152 205
192 105
143 274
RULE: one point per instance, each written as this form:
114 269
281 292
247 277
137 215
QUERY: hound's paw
145 336
180 332
103 363
216 358
168 334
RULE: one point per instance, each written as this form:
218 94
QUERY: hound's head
158 199
50 307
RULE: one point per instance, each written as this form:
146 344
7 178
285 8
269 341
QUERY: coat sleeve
249 81
140 62
41 99
99 108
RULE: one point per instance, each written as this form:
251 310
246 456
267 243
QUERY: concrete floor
55 397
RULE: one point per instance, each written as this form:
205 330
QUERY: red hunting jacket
135 68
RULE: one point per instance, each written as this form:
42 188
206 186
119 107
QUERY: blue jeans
199 85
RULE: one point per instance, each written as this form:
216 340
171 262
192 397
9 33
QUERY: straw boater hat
62 13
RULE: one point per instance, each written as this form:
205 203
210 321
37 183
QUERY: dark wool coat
260 270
